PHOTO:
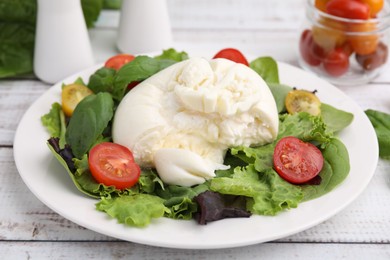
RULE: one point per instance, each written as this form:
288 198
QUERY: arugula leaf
267 68
89 120
381 123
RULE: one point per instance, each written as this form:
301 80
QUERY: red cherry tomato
233 55
117 61
113 165
297 161
336 63
352 9
311 52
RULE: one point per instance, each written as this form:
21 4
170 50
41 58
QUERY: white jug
144 26
62 45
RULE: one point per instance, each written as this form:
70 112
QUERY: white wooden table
30 230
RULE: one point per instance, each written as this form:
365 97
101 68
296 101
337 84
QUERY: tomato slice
117 61
72 95
233 55
302 101
113 165
297 161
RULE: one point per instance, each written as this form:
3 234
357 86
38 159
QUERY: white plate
46 178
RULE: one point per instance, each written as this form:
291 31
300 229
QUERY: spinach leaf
335 170
335 119
91 11
267 68
279 91
89 120
142 67
381 123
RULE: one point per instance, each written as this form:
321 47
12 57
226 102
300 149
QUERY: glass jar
341 50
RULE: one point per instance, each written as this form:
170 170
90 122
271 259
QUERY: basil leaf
88 122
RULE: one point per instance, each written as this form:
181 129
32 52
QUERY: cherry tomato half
310 51
298 100
113 165
117 61
336 63
233 55
297 161
351 9
71 96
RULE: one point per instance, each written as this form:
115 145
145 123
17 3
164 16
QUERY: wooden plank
123 250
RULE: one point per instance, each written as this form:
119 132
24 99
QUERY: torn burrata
183 119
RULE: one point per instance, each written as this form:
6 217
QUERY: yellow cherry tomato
302 101
72 95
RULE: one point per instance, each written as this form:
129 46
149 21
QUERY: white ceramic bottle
62 45
144 26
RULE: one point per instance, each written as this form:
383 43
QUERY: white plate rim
169 233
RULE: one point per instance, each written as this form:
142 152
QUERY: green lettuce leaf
268 193
381 123
134 210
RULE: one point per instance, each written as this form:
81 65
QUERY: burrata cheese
183 119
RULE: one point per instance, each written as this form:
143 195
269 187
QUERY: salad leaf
141 68
381 123
267 68
335 119
215 206
279 91
91 11
52 120
112 4
179 200
134 210
269 193
89 120
172 54
102 80
335 170
17 33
